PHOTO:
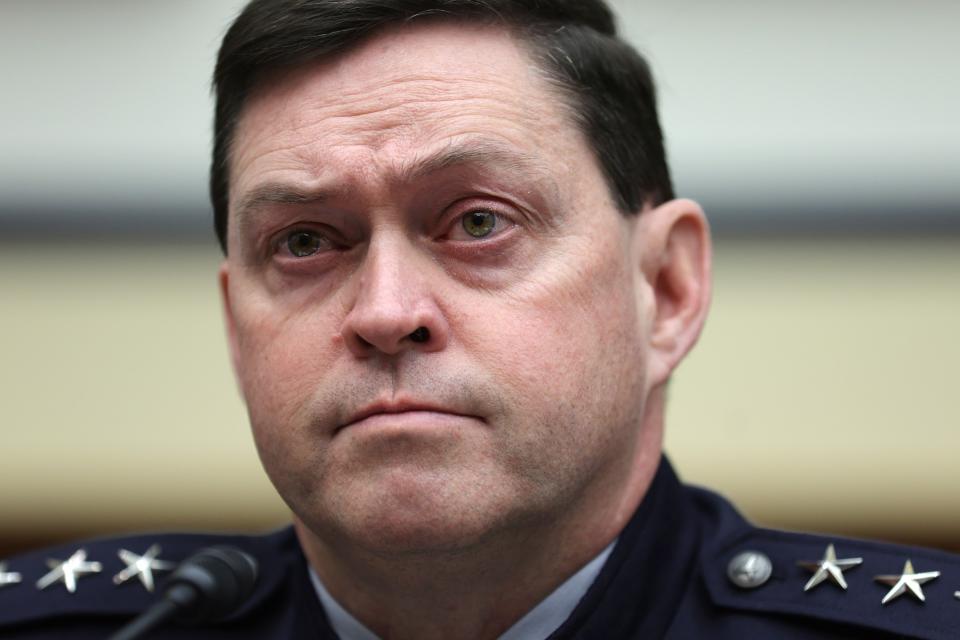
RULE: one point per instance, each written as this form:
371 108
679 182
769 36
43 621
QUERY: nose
394 308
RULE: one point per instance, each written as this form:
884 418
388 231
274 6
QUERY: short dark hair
607 84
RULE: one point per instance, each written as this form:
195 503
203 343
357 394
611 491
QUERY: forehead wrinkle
310 134
429 87
396 147
399 96
473 152
378 117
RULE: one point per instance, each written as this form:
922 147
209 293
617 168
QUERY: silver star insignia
907 580
67 572
829 567
142 566
8 578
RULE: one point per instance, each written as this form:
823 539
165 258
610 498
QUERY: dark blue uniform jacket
666 578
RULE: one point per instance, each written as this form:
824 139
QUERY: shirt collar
539 622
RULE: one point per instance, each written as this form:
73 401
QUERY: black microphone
207 586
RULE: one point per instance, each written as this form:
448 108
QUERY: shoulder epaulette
121 577
908 591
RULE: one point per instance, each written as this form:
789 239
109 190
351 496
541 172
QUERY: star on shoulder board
142 566
69 571
829 567
908 580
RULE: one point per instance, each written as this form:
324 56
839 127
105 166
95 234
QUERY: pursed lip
386 408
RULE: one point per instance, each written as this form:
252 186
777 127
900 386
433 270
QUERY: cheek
570 343
283 353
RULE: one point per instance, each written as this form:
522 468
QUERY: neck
480 591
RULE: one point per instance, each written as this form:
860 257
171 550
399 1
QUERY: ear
673 241
223 278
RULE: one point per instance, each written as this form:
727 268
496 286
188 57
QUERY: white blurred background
822 138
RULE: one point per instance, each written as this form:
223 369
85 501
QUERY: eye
303 244
479 224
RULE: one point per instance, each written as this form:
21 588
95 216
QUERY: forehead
396 95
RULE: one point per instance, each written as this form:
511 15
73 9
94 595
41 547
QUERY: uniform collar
643 582
539 622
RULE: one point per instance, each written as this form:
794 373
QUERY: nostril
422 334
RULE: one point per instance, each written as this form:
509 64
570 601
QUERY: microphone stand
157 614
209 585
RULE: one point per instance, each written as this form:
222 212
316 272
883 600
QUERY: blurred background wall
821 137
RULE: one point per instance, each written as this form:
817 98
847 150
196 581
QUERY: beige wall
823 393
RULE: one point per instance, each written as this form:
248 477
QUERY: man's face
431 178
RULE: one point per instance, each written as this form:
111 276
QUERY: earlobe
675 255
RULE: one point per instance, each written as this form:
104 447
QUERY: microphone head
211 584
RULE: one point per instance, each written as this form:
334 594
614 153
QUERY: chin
410 511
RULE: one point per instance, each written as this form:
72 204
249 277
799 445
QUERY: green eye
479 224
303 244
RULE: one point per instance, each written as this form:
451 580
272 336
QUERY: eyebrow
481 153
